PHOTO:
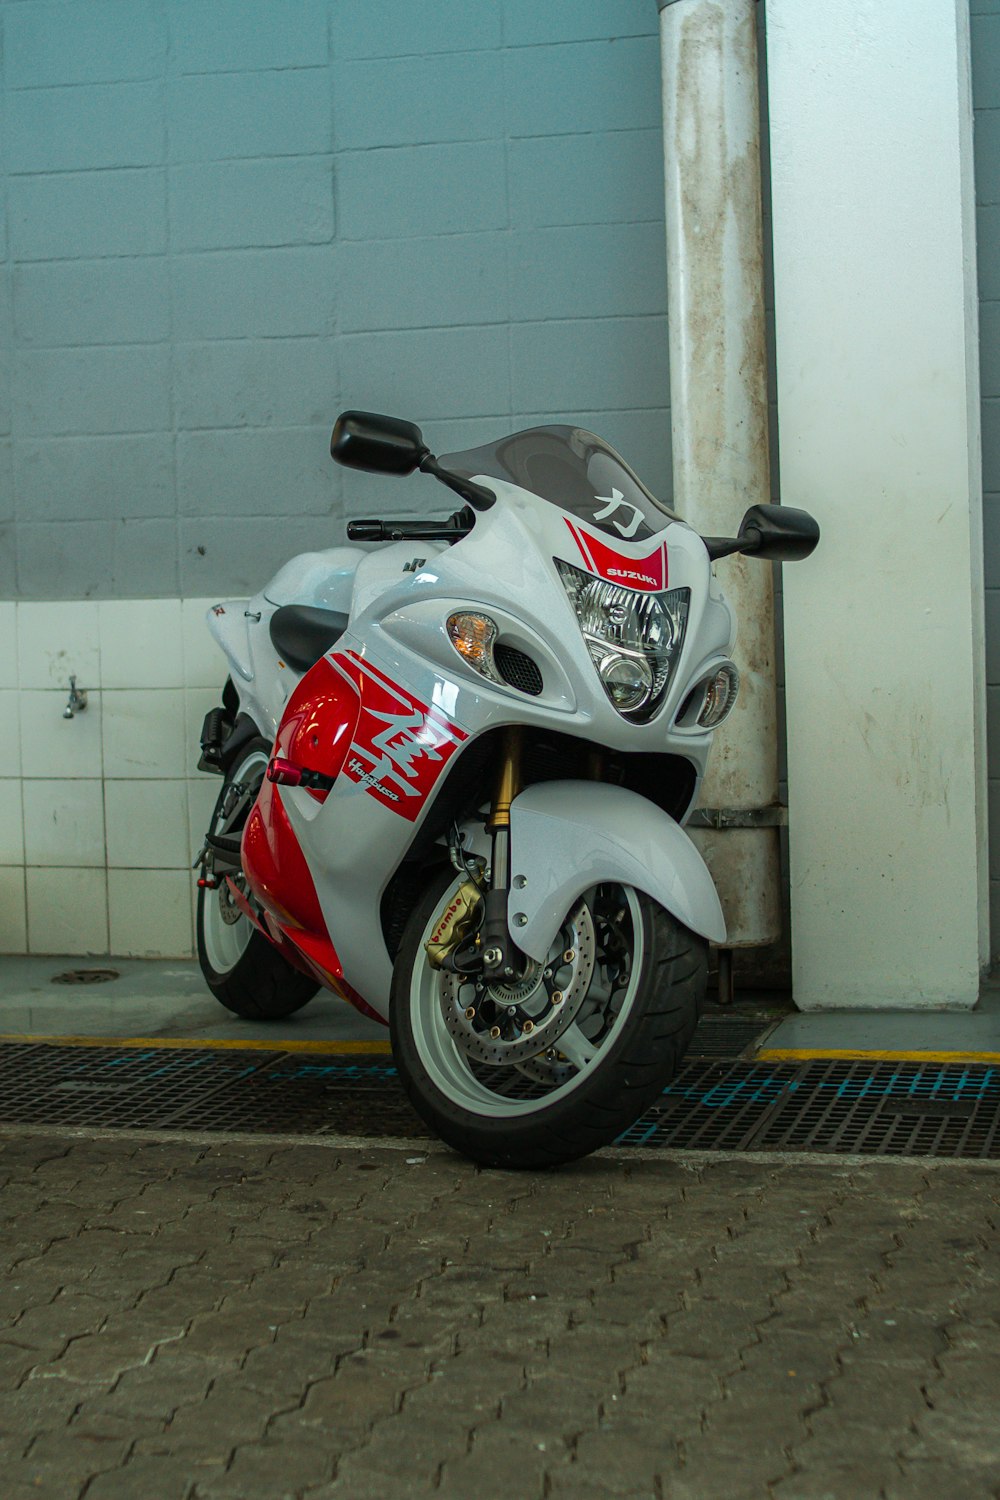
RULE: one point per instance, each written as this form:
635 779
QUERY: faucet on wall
77 700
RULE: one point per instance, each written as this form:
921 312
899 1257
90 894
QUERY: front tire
593 1080
244 971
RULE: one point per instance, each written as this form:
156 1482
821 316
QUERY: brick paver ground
196 1320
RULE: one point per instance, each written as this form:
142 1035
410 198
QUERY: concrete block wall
226 220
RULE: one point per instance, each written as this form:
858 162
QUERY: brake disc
507 1022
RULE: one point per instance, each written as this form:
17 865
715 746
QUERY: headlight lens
634 639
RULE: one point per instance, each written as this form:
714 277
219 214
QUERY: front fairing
419 708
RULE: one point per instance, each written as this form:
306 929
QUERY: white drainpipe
718 400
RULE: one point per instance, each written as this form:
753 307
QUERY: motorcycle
456 771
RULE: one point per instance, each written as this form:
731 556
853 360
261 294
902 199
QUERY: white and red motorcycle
456 770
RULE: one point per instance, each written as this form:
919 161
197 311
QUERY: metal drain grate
882 1108
727 1036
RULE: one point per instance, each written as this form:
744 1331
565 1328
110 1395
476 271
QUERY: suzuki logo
616 501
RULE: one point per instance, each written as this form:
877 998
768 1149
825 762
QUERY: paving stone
414 1322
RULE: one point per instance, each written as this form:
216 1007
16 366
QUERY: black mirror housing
778 533
381 445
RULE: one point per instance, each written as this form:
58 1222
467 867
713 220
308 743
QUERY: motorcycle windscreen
575 470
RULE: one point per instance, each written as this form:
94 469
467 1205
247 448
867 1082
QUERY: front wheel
546 1068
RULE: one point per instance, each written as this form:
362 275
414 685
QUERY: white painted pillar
878 403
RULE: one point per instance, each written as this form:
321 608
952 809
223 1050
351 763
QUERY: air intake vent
518 669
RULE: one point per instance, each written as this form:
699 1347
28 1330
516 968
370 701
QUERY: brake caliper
457 922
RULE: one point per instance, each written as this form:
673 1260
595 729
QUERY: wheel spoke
574 1045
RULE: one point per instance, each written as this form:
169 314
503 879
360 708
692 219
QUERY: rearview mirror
382 445
778 533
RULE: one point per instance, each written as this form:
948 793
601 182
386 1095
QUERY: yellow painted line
234 1044
866 1054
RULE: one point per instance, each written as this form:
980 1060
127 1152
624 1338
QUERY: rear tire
244 971
628 1037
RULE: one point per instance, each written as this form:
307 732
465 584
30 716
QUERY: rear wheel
244 971
542 1070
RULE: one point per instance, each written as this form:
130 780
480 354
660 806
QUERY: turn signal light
472 636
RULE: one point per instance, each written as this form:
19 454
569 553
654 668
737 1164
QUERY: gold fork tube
508 779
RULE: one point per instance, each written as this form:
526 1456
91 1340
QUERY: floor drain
85 976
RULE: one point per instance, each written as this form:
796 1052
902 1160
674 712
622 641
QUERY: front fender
566 836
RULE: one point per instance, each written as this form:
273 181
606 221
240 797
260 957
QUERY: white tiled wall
102 815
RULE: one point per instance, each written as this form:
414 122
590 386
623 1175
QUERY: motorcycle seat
301 634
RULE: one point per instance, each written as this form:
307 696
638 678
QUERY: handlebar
453 529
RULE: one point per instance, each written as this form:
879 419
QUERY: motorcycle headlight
634 639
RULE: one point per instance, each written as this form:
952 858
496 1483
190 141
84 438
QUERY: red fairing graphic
646 574
400 745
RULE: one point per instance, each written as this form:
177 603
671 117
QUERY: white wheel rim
226 942
449 1067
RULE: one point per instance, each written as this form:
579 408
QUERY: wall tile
590 366
526 23
437 372
588 271
260 471
64 823
92 390
67 911
988 252
422 283
215 36
88 213
601 177
605 85
13 914
144 734
8 644
395 28
204 663
409 101
424 190
256 383
72 129
53 44
145 557
10 732
57 640
58 747
147 824
150 913
77 478
250 114
243 294
989 348
986 61
988 156
118 301
8 563
141 643
217 206
11 823
73 560
202 795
